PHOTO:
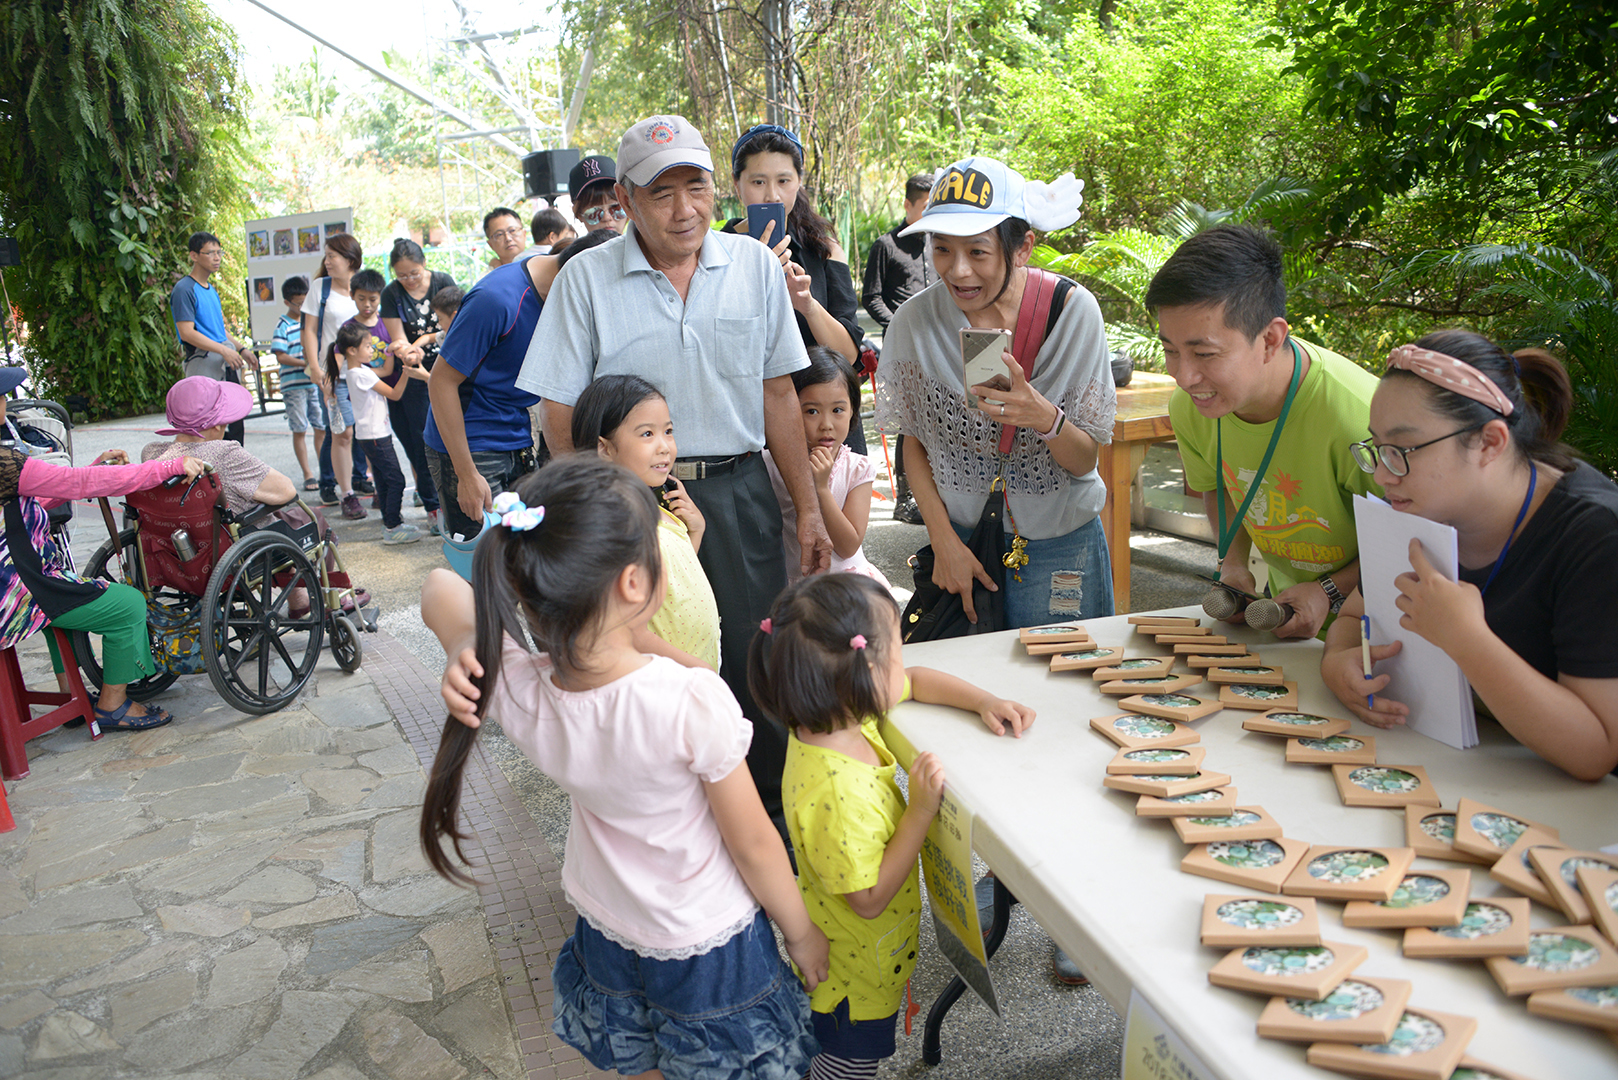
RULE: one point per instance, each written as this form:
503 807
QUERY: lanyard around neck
1228 536
1533 478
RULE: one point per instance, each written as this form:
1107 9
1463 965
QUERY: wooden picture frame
1185 708
1056 648
1492 926
1592 1006
1053 632
1384 785
1191 637
1426 1045
1483 831
1086 659
1335 872
1427 898
1300 971
1134 730
1293 724
1204 647
1162 786
1484 1071
1201 663
1557 958
1600 891
1134 667
1432 834
1258 696
1149 684
1164 620
1358 1010
1258 675
1242 823
1558 868
1161 760
1515 872
1219 800
1255 864
1339 749
1231 921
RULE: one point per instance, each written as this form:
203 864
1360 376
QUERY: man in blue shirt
199 323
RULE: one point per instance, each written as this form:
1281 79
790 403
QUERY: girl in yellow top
626 419
827 663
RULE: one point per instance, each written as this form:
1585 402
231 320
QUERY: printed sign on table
946 860
1152 1051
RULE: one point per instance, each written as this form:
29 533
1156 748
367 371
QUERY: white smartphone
981 359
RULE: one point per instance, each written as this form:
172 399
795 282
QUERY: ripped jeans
1067 577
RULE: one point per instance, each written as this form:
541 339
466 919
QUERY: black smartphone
761 214
669 487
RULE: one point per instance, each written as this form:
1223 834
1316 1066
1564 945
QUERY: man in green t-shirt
1221 315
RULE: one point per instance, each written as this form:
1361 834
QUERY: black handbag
934 614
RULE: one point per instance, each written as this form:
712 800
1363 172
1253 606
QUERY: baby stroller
250 606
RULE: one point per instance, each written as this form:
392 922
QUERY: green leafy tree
118 129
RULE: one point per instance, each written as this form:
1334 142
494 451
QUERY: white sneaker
404 534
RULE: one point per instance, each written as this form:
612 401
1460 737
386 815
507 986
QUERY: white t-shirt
339 309
645 862
370 407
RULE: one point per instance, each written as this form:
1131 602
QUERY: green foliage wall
118 128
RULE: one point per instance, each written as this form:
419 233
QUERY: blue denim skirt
1067 577
734 1012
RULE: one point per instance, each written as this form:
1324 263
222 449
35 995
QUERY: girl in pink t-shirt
672 969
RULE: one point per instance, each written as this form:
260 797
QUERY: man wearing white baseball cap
705 317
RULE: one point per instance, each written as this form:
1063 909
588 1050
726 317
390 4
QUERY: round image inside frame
1334 744
1416 890
1414 1035
1347 867
1248 854
1350 1001
1143 727
1466 1072
1236 820
1139 662
1612 896
1500 830
1041 631
1381 779
1168 754
1301 960
1255 692
1297 719
1195 797
1173 701
1602 997
1439 827
1570 868
1555 953
1093 654
1479 920
1259 914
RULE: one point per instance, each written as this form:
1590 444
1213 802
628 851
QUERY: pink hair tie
764 625
1451 374
857 641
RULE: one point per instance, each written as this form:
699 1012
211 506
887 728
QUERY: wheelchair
227 598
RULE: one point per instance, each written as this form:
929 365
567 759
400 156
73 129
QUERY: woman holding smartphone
766 165
981 216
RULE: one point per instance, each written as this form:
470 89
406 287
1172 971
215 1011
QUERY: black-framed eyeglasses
1396 458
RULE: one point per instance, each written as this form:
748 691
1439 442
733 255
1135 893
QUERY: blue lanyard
1226 538
1533 478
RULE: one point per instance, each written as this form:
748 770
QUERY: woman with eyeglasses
407 312
1465 433
766 165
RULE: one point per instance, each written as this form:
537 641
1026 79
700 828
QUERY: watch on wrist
1329 587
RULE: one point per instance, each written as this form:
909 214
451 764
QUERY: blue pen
1365 655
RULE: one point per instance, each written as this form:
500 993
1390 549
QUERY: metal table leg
931 1053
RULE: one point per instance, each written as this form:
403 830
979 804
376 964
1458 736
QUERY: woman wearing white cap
980 217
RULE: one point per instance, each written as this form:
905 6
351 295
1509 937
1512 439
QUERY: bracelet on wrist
1056 428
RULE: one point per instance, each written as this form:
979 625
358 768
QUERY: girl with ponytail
672 969
1466 433
827 664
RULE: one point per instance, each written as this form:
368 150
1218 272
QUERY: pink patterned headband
1451 374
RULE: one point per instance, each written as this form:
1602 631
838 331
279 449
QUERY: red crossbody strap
1033 316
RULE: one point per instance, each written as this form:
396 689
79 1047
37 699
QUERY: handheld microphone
1267 614
1222 602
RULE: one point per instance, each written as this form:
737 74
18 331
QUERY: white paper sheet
1424 677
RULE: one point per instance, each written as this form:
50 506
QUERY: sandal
312 484
119 719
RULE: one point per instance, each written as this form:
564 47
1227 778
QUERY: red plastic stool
17 722
7 823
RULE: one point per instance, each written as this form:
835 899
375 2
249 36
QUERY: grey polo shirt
611 313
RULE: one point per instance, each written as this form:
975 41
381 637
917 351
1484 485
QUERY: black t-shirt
1556 599
830 283
418 316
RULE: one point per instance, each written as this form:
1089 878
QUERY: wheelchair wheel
105 567
345 644
257 652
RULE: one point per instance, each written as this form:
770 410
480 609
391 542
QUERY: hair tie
1448 373
764 625
514 515
857 641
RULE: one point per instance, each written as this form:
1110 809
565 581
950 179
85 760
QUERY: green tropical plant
118 128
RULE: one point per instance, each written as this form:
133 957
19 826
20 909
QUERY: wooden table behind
1142 419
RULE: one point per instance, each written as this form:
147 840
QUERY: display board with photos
278 248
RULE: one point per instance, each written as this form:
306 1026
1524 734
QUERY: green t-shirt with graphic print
1302 519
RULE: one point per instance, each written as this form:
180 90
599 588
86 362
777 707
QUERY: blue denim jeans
501 468
1067 577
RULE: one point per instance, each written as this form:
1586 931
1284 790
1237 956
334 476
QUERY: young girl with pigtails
827 663
672 969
